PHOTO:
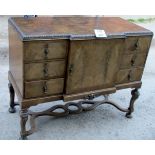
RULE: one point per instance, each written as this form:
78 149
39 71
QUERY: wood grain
74 25
94 64
44 70
137 44
134 73
33 51
16 58
130 60
35 88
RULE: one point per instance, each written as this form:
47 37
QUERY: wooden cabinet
60 58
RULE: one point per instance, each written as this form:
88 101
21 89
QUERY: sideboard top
74 27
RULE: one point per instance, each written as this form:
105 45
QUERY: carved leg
23 120
135 94
12 96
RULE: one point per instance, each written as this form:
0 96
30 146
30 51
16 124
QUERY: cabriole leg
12 97
135 94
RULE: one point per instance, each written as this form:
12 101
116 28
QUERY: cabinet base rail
80 106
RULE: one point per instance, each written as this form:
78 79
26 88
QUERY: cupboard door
92 64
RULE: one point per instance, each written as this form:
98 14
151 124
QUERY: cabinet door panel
92 64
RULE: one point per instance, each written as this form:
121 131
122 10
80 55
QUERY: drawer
44 70
129 75
130 60
139 44
44 88
44 50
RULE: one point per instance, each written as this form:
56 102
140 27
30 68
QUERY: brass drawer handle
133 60
45 90
91 96
136 44
46 51
45 70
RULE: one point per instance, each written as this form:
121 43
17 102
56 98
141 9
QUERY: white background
87 7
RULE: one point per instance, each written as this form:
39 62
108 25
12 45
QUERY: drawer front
44 50
129 75
130 60
139 44
44 88
36 71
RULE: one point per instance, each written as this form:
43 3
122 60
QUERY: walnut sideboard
60 58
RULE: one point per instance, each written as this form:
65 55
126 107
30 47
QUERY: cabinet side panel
16 58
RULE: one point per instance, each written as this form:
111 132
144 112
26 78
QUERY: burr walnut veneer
59 58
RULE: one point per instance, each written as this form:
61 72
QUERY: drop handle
136 45
46 51
45 90
45 70
133 60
